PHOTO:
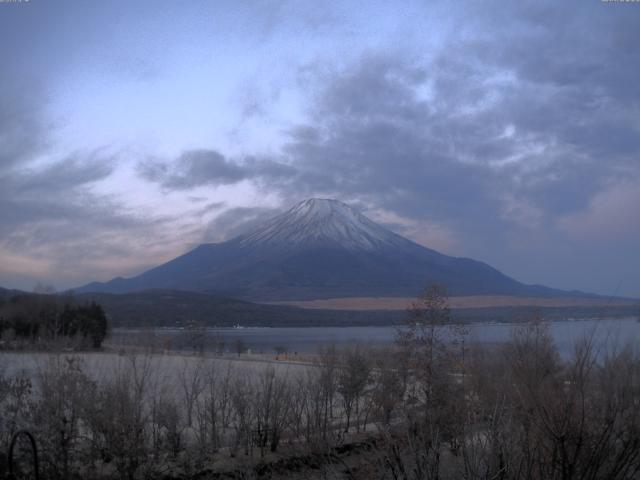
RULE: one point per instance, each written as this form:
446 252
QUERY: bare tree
272 402
171 424
298 408
353 379
214 407
329 384
241 397
535 416
280 350
388 388
15 393
118 419
427 408
240 347
317 404
192 385
195 336
65 392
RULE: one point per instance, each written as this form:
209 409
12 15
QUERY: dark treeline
431 407
46 320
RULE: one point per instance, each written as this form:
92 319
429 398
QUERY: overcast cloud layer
506 132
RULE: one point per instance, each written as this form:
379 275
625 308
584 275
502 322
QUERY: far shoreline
459 302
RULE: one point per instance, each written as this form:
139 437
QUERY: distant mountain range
319 249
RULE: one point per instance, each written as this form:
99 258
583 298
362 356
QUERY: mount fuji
320 249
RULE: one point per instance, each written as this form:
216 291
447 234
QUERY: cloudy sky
508 132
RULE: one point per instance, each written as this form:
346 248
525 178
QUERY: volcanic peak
320 221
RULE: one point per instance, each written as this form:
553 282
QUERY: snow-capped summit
320 221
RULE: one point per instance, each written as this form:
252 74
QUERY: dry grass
475 301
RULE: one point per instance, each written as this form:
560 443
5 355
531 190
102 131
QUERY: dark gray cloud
53 225
374 136
22 126
236 221
34 191
536 103
196 168
199 167
52 193
51 213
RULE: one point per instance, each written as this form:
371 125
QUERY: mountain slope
320 249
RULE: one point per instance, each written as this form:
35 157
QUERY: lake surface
606 332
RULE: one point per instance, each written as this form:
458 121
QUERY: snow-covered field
169 369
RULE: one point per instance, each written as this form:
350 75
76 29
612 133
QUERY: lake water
606 332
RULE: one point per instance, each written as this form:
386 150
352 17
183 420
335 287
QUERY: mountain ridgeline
318 249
